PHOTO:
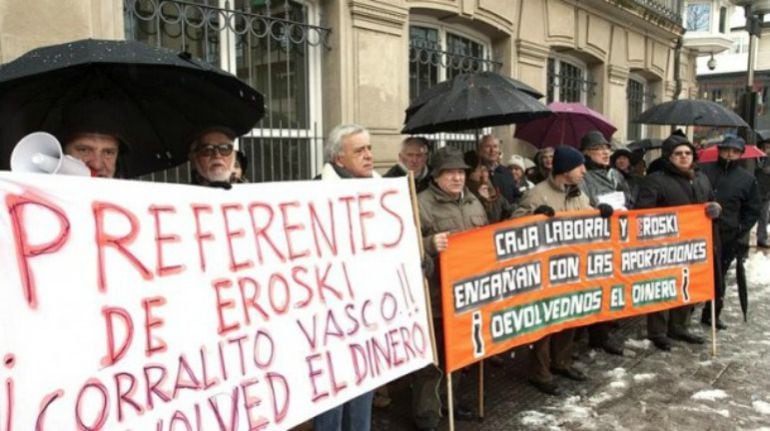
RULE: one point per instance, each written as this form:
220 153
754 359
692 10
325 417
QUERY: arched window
568 80
437 52
274 45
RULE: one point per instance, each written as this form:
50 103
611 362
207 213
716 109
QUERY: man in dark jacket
412 157
736 191
489 153
676 183
762 174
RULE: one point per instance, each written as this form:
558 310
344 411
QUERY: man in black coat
413 156
676 183
488 151
736 191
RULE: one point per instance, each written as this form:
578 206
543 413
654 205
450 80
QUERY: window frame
558 59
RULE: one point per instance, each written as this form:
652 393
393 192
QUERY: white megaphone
41 152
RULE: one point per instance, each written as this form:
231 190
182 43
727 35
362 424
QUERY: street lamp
755 11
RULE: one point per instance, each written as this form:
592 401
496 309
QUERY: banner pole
450 401
425 286
713 328
481 389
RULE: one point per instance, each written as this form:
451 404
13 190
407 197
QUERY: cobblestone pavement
646 389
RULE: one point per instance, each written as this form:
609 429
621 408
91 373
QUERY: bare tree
698 17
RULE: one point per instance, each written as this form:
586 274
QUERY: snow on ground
761 407
709 395
638 344
644 377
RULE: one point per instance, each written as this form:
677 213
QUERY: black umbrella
473 101
645 144
691 112
158 98
487 78
763 135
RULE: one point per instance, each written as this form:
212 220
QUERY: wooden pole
425 286
481 389
713 328
450 401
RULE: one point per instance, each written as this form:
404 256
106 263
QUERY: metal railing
271 45
668 9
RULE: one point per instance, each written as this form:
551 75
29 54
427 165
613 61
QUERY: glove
605 210
545 210
713 210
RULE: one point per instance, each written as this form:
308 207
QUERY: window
438 53
698 17
272 45
639 98
568 81
723 20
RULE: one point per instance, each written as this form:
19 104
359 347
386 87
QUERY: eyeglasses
682 153
208 150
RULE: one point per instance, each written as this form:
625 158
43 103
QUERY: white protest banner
143 306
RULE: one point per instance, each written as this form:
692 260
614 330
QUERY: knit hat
516 160
735 142
566 159
673 141
447 158
593 139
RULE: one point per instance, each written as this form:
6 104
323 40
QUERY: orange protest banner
514 282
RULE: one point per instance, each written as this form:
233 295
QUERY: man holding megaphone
89 135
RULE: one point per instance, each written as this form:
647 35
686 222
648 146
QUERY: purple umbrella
567 125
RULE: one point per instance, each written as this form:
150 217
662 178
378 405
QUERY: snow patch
643 377
638 344
618 384
616 374
600 398
535 418
710 395
761 407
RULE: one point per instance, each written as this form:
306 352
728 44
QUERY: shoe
571 373
720 324
464 414
687 338
661 343
548 388
610 347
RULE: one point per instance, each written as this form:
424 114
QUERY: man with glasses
212 155
677 182
735 189
606 190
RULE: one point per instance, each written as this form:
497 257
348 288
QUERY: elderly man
735 189
349 155
446 206
558 193
678 182
603 184
412 157
98 151
212 155
488 151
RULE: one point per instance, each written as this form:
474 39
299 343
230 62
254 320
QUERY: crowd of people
459 191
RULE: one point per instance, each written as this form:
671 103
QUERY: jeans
354 415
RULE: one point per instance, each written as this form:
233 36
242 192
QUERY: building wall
365 70
28 24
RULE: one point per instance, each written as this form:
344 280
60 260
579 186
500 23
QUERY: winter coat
421 182
670 187
441 213
736 191
600 180
548 193
762 174
502 180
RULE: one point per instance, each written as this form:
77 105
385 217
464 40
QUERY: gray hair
337 135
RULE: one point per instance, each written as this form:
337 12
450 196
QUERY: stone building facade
323 62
